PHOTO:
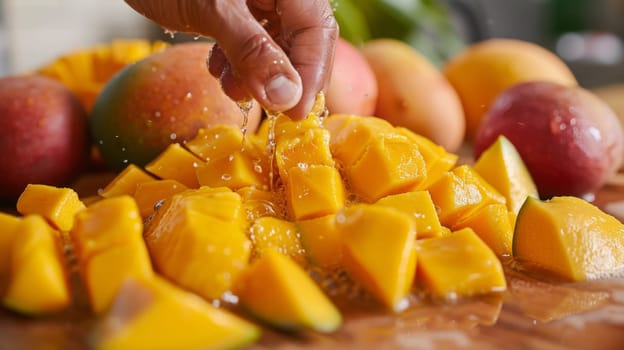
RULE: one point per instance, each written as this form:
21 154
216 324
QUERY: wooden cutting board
532 314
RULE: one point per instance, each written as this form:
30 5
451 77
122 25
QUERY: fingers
311 32
221 69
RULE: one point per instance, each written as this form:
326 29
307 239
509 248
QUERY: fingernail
283 92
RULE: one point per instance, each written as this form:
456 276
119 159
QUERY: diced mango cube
492 224
150 193
257 203
38 280
58 205
276 234
308 148
199 251
278 291
437 159
351 134
154 314
459 265
216 142
321 241
313 191
281 126
108 239
234 171
378 250
125 182
501 166
389 165
570 238
176 163
459 192
8 224
419 206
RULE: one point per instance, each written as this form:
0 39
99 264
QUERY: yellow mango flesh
389 165
270 233
108 240
321 241
502 167
311 147
257 203
196 242
419 206
38 282
216 142
293 301
8 224
176 163
493 224
458 265
350 135
378 250
126 182
237 170
150 193
570 238
437 159
314 191
459 192
58 205
154 314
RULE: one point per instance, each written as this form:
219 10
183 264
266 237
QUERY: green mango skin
162 99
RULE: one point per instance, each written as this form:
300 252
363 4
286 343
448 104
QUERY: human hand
279 52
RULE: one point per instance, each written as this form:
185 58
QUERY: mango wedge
459 265
108 241
378 251
292 302
313 191
148 194
58 205
321 241
38 282
126 182
493 224
270 233
419 206
176 163
570 238
197 239
502 167
153 314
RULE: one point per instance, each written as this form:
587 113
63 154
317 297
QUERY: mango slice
314 191
292 302
154 314
108 240
378 250
270 233
570 238
8 224
197 240
176 163
419 206
389 165
126 182
459 265
216 142
38 280
502 167
459 192
321 241
58 205
257 203
493 224
150 193
237 170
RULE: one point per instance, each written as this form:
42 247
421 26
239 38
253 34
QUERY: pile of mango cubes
241 220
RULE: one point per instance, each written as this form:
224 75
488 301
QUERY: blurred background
587 34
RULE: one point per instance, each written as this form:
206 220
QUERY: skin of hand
280 52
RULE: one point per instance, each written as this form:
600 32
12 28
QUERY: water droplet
125 161
196 37
123 149
157 114
226 177
188 96
173 136
101 142
171 33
